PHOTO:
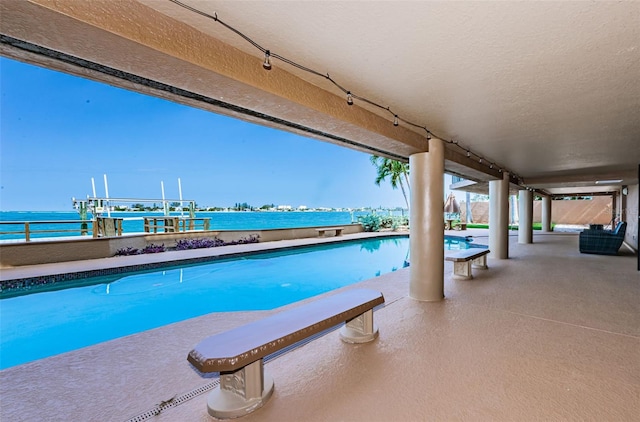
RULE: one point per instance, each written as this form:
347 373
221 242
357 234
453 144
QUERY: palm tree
397 172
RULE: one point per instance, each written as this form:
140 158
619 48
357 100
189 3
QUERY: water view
133 221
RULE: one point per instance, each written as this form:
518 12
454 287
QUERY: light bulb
468 154
428 135
395 120
349 98
267 61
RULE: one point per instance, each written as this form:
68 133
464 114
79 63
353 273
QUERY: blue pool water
37 325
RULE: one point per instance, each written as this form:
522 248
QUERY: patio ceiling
547 90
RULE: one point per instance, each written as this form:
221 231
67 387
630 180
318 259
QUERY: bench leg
339 232
320 233
462 270
361 329
480 262
240 392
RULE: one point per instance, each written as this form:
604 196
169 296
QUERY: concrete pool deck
549 334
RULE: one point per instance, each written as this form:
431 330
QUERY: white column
427 223
546 213
525 227
499 217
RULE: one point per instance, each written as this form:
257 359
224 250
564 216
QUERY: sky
58 131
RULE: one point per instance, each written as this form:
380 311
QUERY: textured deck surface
547 335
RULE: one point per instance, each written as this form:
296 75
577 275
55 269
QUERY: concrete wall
595 211
43 252
631 237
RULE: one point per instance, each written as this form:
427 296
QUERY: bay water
133 221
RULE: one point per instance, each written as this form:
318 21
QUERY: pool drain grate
173 402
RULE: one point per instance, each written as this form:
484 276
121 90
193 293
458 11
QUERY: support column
499 217
546 213
525 227
427 223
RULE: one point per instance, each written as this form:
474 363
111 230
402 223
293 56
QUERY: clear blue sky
57 131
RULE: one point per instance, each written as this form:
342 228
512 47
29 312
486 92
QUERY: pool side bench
322 230
238 354
465 259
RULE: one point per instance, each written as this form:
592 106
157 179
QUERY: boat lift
102 206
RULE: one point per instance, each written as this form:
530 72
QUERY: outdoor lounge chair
603 242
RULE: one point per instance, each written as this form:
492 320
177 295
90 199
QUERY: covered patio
539 98
550 334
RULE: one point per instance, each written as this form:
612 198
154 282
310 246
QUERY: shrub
153 248
394 222
373 222
243 241
184 244
127 251
370 222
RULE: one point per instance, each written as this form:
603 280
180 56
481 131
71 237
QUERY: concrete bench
460 226
322 230
238 354
464 259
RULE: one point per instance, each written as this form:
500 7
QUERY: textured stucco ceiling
548 89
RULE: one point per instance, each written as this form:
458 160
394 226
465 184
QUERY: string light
350 96
267 62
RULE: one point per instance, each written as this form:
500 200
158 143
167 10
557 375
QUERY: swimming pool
38 325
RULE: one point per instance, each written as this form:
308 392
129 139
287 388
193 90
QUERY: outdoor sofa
602 242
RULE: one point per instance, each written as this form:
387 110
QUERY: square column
427 224
525 227
546 213
499 217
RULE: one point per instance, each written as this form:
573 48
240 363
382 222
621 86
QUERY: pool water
38 325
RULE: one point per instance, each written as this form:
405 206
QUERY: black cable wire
326 76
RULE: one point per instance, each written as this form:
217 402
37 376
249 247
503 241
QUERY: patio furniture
238 353
602 242
322 230
463 260
460 226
